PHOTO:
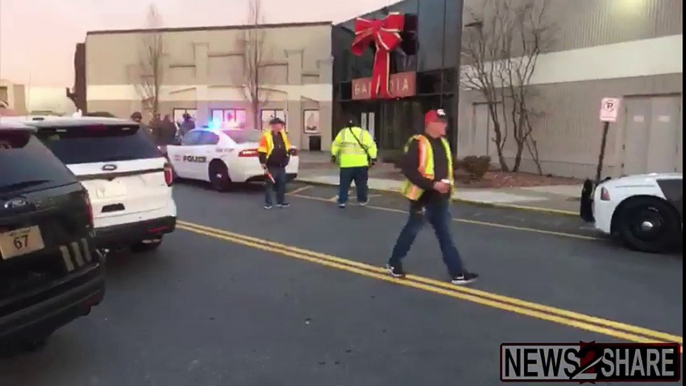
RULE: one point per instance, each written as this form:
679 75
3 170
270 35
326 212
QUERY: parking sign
609 109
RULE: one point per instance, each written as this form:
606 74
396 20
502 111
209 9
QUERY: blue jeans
438 215
358 174
279 174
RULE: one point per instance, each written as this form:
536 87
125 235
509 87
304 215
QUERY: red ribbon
385 34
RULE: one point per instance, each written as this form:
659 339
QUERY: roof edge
210 28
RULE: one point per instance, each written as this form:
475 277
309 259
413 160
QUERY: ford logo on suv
109 167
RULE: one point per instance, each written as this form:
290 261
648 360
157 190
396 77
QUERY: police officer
137 117
355 152
274 152
187 125
428 169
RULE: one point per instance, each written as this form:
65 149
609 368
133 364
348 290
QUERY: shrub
476 166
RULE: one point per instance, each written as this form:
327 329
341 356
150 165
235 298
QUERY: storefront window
235 117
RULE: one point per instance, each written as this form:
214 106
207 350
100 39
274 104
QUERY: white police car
222 157
645 211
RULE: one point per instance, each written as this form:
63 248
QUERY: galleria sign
401 85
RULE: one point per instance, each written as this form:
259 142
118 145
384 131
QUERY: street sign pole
603 143
609 112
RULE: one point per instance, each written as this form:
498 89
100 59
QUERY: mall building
628 49
203 75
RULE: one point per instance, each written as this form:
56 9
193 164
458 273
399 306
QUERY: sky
38 37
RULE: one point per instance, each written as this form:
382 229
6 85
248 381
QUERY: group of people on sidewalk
163 130
427 165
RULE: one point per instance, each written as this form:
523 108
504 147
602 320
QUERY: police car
644 211
222 156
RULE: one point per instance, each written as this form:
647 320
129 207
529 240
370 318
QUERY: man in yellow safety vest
355 151
428 168
274 152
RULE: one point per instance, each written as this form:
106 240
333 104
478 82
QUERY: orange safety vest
267 142
426 166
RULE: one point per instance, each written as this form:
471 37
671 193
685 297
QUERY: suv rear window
26 164
88 144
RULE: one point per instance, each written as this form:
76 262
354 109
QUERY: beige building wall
203 70
13 96
625 49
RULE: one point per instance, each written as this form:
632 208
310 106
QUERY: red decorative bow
385 34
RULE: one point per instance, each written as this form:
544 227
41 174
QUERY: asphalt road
243 296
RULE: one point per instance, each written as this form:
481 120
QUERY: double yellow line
556 315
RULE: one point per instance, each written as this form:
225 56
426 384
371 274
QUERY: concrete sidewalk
315 168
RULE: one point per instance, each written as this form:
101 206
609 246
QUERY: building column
293 102
326 106
201 81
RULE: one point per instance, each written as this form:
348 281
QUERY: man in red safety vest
428 169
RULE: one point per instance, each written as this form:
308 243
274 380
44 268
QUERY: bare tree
150 74
501 50
252 47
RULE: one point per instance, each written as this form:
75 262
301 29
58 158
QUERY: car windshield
244 136
26 163
78 145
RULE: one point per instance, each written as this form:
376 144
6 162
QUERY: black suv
50 274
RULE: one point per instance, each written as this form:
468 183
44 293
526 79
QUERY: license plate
112 189
20 242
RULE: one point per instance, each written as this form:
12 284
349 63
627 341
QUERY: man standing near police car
428 168
274 152
354 150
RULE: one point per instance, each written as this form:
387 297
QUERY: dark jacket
279 156
410 168
186 126
165 133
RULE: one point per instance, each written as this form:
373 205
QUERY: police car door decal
195 162
195 159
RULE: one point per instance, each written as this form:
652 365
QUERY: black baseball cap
276 121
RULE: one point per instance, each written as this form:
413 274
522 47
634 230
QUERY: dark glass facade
433 55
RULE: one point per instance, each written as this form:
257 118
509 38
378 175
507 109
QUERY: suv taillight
89 208
168 174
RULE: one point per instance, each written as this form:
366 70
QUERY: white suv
128 179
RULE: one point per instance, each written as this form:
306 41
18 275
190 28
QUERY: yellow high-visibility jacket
426 166
348 151
267 142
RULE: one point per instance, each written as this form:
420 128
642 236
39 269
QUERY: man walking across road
428 168
355 151
274 150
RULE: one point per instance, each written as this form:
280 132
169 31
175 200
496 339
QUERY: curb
558 212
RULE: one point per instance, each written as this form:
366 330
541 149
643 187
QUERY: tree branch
253 76
150 75
502 54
